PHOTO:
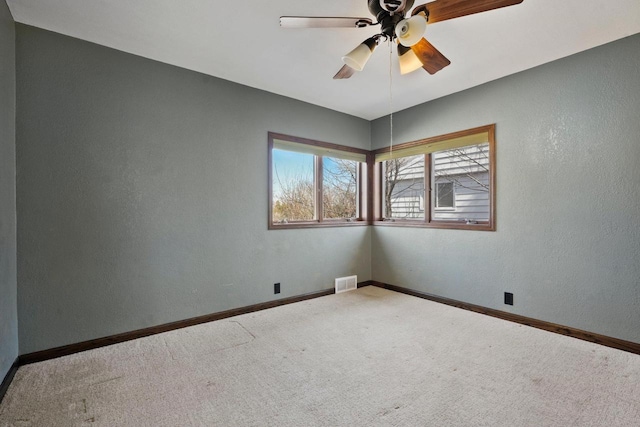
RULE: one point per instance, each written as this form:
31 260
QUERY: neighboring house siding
471 200
410 202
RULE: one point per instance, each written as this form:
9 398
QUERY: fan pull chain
391 97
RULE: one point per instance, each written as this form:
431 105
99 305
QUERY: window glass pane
339 188
465 171
403 192
293 186
444 195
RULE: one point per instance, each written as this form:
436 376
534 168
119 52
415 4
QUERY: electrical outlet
276 288
508 298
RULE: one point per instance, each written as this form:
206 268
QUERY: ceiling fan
414 51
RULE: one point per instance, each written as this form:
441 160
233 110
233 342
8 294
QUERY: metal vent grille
344 284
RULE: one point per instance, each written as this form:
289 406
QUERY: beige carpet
370 357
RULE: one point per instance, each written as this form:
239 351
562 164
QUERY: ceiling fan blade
323 22
344 73
442 10
431 58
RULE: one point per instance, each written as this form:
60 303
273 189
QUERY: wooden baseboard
66 350
616 343
6 382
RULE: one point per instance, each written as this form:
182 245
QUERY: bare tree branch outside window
339 189
464 164
293 188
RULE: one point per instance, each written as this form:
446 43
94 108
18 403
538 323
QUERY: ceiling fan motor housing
393 5
376 7
389 13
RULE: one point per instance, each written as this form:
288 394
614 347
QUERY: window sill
437 224
316 224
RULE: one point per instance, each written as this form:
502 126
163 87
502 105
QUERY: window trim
428 221
363 202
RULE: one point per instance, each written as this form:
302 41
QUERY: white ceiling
242 42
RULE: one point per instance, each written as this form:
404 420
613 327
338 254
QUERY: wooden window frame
363 202
428 221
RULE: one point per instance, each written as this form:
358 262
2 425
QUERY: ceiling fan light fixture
410 31
359 56
408 60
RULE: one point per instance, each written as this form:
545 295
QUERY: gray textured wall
142 194
8 302
568 196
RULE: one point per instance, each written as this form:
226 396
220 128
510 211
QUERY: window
454 173
313 183
444 197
